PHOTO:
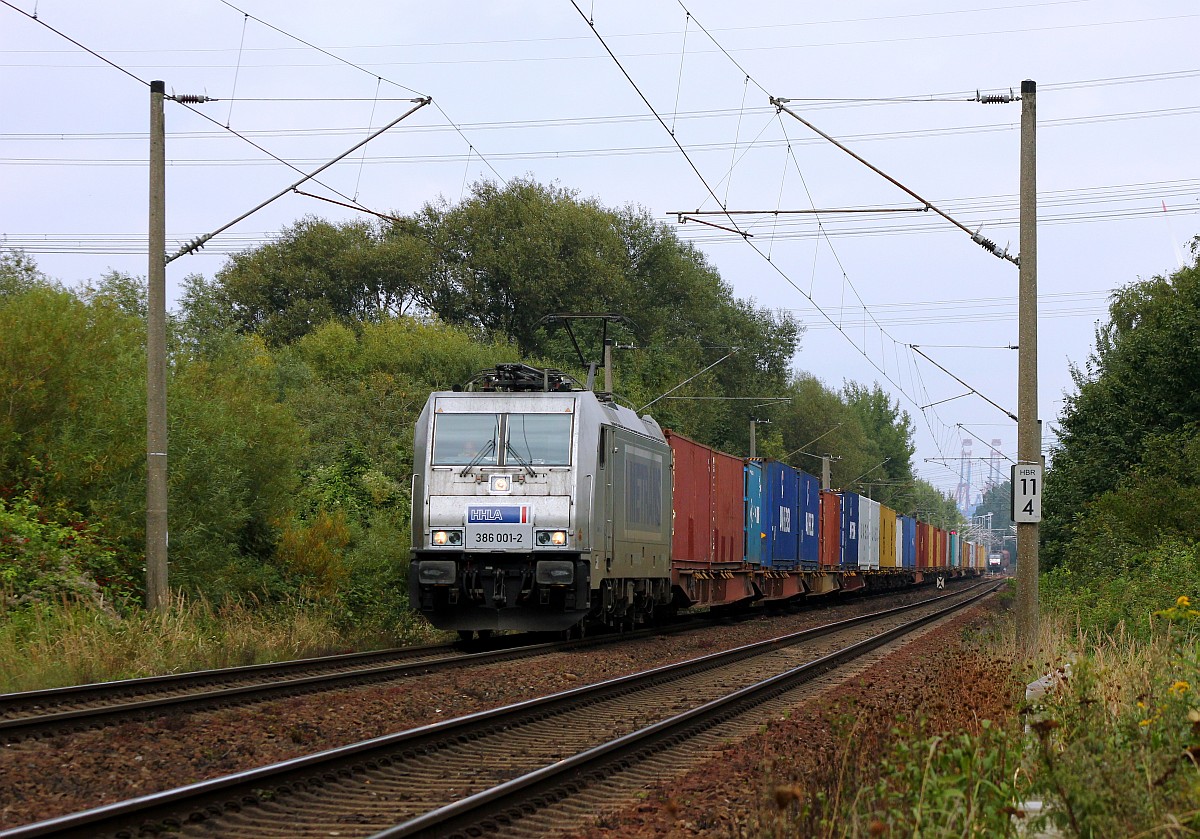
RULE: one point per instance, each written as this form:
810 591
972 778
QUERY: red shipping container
831 529
691 537
729 508
709 493
924 549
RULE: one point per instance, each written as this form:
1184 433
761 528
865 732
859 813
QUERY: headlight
556 538
446 537
500 483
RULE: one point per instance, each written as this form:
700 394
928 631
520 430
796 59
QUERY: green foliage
234 463
1135 540
72 373
819 421
42 560
928 503
1141 383
19 273
72 377
890 430
997 501
962 784
315 272
508 255
1111 587
128 294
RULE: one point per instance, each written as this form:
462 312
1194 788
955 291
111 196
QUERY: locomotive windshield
459 439
540 439
537 439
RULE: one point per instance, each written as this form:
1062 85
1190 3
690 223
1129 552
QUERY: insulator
996 98
191 98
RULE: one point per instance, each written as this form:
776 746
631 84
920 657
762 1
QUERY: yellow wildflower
1183 601
1145 722
1179 688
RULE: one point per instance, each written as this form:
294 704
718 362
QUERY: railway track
56 711
485 769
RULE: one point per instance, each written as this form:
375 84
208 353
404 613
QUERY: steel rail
489 810
23 727
214 796
27 714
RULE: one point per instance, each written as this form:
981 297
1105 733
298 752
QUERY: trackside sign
1027 493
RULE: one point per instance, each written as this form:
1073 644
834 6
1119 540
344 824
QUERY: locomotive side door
605 496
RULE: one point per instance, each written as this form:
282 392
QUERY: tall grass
66 643
1116 745
1112 750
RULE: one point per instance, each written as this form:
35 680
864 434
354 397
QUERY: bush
43 561
1126 596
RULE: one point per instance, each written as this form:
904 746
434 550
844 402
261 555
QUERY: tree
509 255
997 501
316 271
1141 381
19 273
889 428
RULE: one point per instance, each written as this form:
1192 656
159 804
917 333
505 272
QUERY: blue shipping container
908 533
754 501
850 507
810 518
781 486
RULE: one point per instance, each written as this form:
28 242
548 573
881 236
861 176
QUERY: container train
540 505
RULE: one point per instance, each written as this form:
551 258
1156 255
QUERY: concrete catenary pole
157 596
1029 442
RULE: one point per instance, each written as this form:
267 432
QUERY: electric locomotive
538 505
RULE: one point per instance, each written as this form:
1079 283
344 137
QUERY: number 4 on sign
1026 493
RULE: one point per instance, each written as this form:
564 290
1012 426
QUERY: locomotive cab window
529 439
539 439
459 439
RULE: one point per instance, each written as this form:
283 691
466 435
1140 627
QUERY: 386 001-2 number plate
498 537
498 527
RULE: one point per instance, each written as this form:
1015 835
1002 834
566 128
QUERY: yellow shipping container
887 537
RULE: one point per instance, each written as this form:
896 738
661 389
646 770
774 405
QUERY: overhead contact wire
237 70
66 37
362 69
661 122
199 241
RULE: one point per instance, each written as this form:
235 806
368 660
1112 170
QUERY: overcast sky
528 89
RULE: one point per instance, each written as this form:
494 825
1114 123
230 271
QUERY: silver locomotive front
499 540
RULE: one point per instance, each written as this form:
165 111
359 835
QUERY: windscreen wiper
516 455
484 450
